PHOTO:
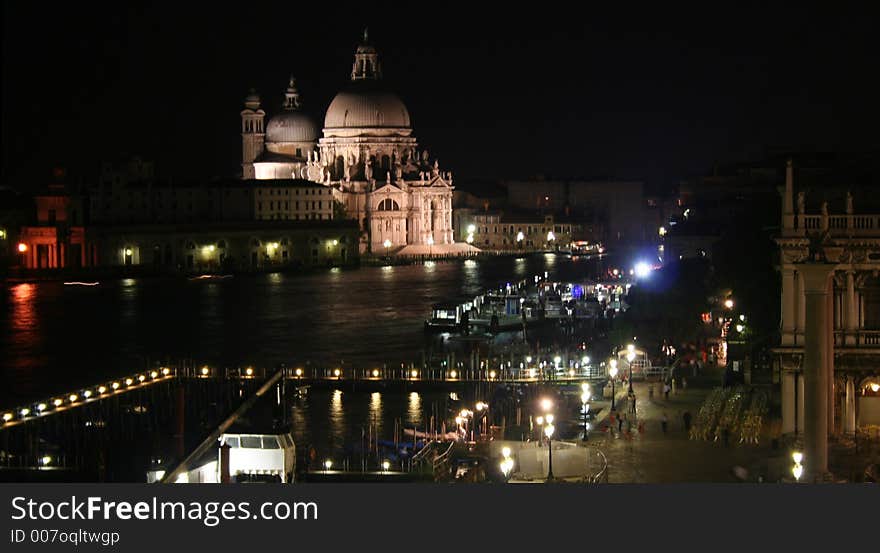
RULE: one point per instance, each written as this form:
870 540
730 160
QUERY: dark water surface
54 337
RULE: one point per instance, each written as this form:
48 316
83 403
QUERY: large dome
365 107
291 126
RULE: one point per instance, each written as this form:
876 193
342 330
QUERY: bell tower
253 133
366 62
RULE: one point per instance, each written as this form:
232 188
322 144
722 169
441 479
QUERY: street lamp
506 462
630 357
613 373
728 303
546 406
548 431
797 470
387 244
585 399
430 245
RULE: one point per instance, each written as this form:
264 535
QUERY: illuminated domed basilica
367 155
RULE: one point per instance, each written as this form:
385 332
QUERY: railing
841 224
600 477
431 374
857 338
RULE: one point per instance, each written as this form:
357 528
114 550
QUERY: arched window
388 205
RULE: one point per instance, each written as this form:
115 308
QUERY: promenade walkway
655 457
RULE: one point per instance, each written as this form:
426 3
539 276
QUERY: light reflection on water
337 423
55 337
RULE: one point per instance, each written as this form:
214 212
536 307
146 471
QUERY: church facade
366 154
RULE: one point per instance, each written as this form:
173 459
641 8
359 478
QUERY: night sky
632 94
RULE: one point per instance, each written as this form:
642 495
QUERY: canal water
56 337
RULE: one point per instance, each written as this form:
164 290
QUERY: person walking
620 423
664 422
633 404
666 391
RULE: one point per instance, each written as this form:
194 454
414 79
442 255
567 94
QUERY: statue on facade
368 169
816 247
849 203
825 209
801 200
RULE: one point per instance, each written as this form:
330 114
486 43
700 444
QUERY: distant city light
22 247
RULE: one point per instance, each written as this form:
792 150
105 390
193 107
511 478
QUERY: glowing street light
630 357
585 400
798 469
327 464
728 303
548 431
386 465
506 463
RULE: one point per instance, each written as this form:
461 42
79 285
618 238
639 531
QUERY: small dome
366 107
291 126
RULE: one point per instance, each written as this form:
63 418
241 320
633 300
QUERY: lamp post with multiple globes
630 357
546 407
585 400
612 372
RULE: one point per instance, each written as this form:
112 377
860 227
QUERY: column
816 379
800 403
849 408
788 402
789 288
860 304
850 309
829 352
801 310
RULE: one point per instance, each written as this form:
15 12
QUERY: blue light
577 291
642 269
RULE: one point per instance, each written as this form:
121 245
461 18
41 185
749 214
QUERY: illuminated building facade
367 156
829 260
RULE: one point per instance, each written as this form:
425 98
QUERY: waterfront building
829 352
56 237
618 208
367 156
136 220
503 231
227 246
